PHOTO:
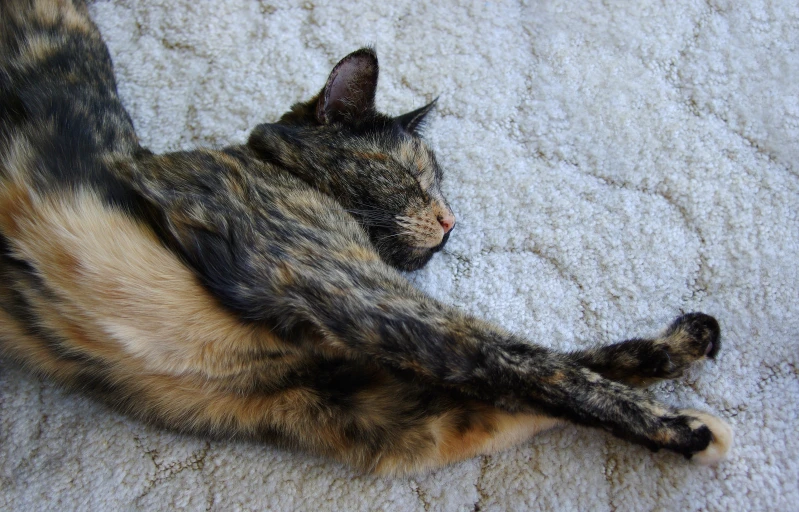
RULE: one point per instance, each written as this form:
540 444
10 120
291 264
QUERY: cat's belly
103 285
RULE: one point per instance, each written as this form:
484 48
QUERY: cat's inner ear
349 93
413 122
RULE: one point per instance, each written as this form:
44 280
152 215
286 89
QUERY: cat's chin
415 258
406 257
412 258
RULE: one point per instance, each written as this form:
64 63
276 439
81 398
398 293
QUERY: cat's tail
57 88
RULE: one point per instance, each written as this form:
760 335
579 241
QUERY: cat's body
250 292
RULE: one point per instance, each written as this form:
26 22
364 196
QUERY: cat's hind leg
641 362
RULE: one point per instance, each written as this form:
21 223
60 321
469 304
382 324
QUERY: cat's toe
721 437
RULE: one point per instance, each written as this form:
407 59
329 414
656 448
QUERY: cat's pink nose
447 222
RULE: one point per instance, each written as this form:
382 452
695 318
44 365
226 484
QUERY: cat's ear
349 93
413 122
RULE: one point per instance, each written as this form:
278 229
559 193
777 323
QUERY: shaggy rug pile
611 164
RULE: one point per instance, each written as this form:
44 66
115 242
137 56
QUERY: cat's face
393 187
376 166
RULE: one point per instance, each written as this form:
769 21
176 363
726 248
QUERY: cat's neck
318 169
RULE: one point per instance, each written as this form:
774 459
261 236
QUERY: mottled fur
249 291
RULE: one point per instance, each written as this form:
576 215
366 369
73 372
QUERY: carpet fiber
611 164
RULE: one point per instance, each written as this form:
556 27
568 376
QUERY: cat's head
376 166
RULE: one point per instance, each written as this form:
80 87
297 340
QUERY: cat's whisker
404 233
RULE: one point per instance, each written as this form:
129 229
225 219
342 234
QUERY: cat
254 291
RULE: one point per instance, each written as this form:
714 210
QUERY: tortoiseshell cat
252 291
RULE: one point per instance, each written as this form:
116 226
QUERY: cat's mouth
434 249
440 246
405 256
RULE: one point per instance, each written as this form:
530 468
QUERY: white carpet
611 164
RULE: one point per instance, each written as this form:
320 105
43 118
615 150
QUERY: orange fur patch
115 276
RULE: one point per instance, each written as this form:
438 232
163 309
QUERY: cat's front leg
640 362
446 348
576 393
697 435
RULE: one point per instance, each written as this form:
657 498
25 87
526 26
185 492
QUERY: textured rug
612 164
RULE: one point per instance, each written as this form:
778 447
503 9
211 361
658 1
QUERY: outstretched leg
641 362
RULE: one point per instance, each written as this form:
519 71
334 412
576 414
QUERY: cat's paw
717 444
696 334
688 339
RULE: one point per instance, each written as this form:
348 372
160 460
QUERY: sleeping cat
253 291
